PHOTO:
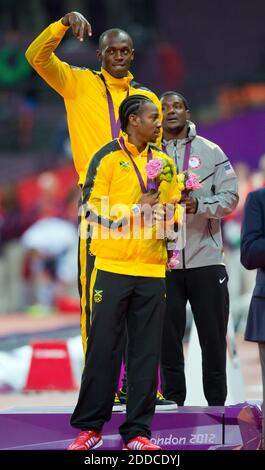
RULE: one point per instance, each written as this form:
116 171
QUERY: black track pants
117 300
206 290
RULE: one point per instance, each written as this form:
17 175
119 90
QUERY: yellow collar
116 82
132 148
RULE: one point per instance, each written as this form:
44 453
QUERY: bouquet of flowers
187 182
158 170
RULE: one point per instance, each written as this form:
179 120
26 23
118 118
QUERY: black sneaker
164 405
161 403
117 406
122 396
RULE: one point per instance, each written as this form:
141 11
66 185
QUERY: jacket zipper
183 258
210 232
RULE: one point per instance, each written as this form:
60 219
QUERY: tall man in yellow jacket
128 281
92 100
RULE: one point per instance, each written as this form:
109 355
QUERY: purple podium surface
186 428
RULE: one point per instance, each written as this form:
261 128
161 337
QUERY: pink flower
192 183
174 260
154 168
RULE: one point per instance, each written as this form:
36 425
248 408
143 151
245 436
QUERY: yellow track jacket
111 190
84 95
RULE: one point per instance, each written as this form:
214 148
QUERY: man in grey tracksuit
200 277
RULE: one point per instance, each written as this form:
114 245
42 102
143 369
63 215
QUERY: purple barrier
243 425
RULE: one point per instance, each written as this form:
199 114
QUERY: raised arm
40 54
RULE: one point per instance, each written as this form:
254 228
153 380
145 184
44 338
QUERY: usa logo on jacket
194 163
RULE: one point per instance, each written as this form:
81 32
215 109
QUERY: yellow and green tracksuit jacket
110 191
84 95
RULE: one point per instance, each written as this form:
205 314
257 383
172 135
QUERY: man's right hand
150 198
80 26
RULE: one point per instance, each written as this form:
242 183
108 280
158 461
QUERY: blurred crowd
241 281
38 247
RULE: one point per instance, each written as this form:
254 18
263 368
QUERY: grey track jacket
217 198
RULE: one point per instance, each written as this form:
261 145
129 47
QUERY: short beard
175 130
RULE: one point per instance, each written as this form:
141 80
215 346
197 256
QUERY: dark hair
116 31
183 99
131 105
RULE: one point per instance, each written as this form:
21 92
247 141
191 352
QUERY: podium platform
213 428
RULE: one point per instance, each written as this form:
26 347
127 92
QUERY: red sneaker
140 443
86 440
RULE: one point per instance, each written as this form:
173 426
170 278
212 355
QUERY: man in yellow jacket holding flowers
124 193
